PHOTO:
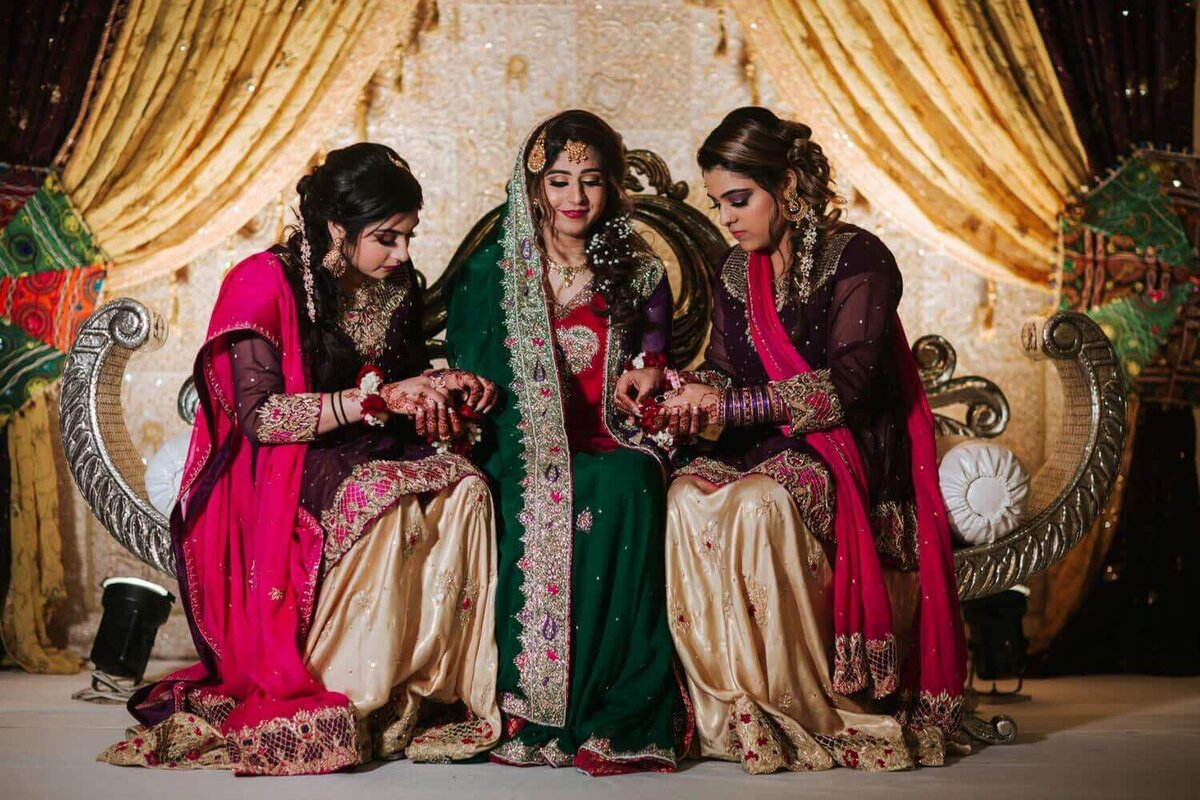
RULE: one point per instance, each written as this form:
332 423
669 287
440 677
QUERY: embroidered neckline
366 315
788 286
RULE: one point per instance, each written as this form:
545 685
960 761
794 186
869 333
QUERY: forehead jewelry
537 156
577 152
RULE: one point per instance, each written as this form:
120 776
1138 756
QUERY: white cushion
985 489
164 473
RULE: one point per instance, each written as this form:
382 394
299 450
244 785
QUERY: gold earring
334 261
794 208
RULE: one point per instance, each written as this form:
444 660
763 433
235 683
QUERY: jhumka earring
577 152
794 209
334 261
537 156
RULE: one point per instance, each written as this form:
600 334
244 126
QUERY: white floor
1098 737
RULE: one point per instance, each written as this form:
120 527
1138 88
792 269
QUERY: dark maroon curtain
1141 614
47 50
1127 68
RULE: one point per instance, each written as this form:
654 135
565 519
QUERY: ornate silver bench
1068 491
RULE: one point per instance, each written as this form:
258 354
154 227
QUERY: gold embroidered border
288 418
372 487
709 377
859 663
813 401
764 744
543 662
805 478
603 748
894 526
310 742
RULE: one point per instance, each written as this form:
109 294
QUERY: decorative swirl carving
189 401
1071 488
106 466
657 173
987 408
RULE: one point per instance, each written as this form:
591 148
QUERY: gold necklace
566 272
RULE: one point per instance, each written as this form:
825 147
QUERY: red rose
466 412
373 404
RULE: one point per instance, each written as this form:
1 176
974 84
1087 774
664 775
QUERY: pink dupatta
862 613
248 558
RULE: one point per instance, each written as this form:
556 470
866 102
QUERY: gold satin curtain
38 578
209 108
946 113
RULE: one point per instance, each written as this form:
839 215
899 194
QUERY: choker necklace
566 272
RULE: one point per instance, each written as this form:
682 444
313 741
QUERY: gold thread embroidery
373 487
813 401
579 345
366 315
287 418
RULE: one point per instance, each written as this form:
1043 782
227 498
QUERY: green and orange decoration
51 271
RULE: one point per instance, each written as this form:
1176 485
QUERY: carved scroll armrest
1070 489
104 463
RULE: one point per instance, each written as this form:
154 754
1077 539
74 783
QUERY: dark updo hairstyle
754 142
614 281
357 186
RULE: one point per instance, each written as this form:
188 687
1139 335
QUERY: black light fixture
133 611
997 640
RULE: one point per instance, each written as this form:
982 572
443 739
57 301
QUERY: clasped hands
439 400
683 412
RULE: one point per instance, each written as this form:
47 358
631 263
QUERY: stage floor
1096 737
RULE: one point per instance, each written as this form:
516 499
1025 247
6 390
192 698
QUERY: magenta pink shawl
247 554
862 612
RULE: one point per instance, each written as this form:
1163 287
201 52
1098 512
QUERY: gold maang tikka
537 155
577 152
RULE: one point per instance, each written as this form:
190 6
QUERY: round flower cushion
985 488
164 473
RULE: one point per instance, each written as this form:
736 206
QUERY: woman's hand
689 409
635 385
429 406
478 393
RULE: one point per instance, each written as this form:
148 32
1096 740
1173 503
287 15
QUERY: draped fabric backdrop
46 73
209 108
946 114
1127 70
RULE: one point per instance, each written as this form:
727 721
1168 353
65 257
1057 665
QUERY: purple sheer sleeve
414 330
718 366
863 301
860 318
265 414
658 309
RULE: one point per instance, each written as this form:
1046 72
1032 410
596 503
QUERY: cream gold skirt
403 626
749 593
406 616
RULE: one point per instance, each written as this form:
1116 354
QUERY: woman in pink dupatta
337 575
809 570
